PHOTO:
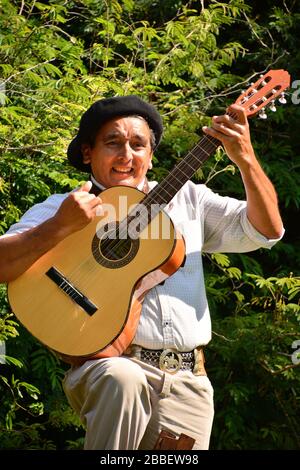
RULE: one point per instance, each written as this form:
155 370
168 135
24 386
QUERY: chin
126 182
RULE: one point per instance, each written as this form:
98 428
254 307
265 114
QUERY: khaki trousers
124 403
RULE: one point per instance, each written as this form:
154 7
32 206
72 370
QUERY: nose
126 152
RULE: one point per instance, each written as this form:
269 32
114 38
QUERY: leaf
196 69
240 297
221 259
293 292
10 360
234 273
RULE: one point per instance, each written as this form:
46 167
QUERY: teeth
122 170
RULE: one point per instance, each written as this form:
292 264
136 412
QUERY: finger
213 133
238 112
225 129
83 196
220 130
89 201
227 121
100 210
84 199
86 187
95 202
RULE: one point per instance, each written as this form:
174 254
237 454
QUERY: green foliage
191 61
251 359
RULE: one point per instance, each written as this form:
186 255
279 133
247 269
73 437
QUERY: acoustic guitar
84 296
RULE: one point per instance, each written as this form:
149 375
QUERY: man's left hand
232 130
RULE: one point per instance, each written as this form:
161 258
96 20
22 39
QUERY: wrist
57 229
248 164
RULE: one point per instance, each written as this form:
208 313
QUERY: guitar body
113 282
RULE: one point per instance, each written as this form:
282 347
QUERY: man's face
122 152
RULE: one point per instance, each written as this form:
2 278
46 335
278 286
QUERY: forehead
129 125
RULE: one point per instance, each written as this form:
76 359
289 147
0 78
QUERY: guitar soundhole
111 250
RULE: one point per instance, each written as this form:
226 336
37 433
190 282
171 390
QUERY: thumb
86 187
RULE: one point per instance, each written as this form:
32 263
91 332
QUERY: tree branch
277 372
27 147
30 68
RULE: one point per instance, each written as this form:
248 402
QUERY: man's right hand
20 251
77 210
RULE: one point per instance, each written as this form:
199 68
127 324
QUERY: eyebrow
115 134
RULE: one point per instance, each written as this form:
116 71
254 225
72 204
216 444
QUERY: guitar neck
182 172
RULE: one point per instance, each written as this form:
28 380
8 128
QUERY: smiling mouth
123 171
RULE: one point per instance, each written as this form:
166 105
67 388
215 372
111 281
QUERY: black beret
102 111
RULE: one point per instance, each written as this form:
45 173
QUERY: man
160 382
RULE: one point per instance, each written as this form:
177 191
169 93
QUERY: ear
86 153
150 165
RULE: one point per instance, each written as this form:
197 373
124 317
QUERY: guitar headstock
264 90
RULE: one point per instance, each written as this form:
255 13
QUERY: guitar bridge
65 285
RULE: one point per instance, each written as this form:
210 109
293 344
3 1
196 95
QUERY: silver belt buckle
170 361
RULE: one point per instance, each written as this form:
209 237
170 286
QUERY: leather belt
170 360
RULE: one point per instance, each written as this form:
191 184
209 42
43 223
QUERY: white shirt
176 314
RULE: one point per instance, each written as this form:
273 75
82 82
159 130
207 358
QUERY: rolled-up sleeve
226 226
37 214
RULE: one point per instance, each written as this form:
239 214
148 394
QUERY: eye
112 143
138 145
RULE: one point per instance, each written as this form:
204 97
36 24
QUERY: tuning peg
272 106
282 99
263 82
250 85
262 114
253 90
